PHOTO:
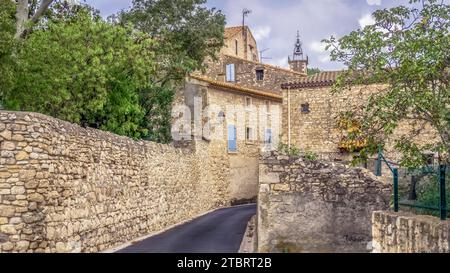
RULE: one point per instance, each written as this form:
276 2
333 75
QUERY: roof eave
241 89
307 85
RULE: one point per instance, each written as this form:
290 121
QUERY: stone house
311 111
251 74
235 106
242 106
236 124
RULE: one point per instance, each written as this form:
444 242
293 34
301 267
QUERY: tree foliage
187 32
117 75
313 70
81 69
407 49
7 42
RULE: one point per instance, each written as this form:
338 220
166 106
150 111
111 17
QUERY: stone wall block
409 233
71 189
316 206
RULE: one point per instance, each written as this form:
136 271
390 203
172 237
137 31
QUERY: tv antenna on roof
245 13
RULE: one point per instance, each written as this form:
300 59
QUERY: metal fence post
443 202
395 171
378 166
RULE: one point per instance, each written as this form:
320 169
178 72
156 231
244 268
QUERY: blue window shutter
230 73
232 143
268 137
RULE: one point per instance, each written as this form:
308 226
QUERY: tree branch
41 10
22 15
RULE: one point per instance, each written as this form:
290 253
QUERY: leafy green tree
120 76
408 50
158 108
188 33
7 43
82 69
313 70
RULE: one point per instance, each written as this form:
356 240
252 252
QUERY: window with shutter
268 136
230 73
232 141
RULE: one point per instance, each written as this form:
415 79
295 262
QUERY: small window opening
259 74
248 102
305 108
249 134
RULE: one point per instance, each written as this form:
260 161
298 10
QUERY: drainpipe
289 117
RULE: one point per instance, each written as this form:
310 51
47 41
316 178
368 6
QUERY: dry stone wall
408 233
313 206
64 188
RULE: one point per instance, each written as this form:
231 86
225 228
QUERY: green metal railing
440 174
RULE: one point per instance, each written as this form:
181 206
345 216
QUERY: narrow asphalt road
220 231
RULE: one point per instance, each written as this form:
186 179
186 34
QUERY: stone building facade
250 74
239 42
235 102
311 111
236 123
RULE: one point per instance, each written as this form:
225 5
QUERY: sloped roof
326 78
238 88
267 65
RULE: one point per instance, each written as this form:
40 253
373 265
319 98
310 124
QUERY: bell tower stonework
297 61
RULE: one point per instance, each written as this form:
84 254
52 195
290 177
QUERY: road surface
220 231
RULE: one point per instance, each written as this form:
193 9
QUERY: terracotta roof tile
326 78
237 87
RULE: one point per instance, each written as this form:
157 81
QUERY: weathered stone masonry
313 206
316 130
64 188
408 233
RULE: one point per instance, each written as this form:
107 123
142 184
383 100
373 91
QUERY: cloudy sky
274 23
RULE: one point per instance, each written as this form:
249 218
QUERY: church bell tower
297 61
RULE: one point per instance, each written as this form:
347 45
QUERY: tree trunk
21 17
412 189
41 10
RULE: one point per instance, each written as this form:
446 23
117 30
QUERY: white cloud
317 46
73 2
374 2
281 62
324 58
366 20
275 23
261 32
